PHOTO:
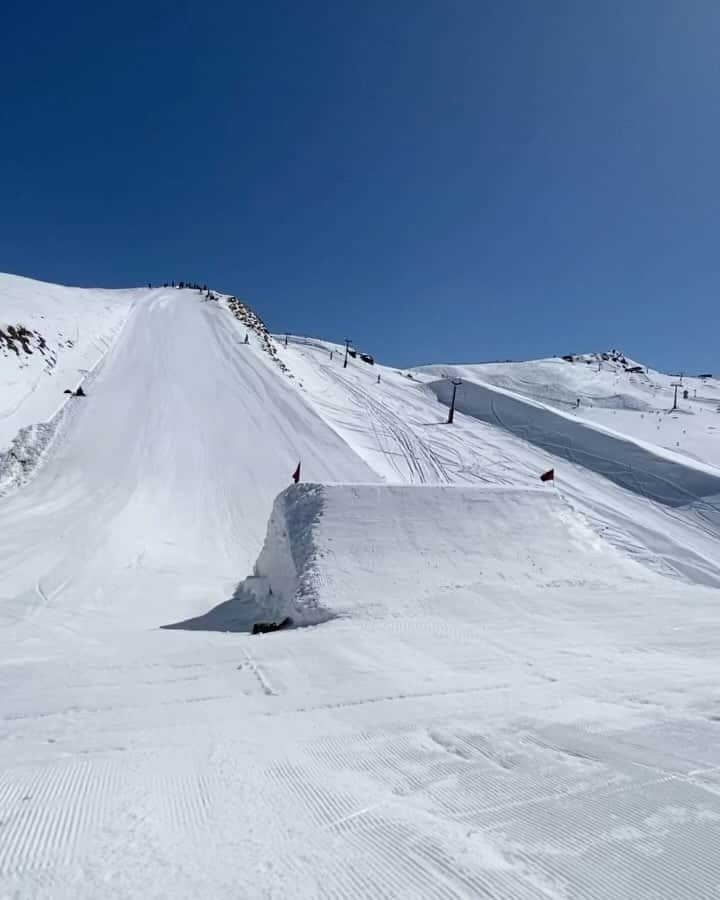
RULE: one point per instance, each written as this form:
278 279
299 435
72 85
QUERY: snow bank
663 478
392 550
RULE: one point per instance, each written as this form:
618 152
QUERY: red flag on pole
296 474
548 476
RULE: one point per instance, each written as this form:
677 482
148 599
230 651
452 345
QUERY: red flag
548 476
296 474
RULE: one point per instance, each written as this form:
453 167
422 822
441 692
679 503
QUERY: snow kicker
379 550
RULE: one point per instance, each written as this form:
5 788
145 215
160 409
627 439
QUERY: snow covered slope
163 485
616 392
398 426
503 697
661 476
505 707
50 338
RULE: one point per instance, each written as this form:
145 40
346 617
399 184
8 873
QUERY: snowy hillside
51 338
506 689
656 505
62 333
617 392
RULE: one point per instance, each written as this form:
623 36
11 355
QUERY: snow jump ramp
391 551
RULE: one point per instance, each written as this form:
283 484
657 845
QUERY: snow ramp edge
377 551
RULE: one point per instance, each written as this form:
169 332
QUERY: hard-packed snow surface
507 689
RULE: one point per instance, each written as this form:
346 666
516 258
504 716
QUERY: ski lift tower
676 385
456 382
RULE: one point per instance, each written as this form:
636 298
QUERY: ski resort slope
678 497
164 482
655 505
500 705
492 700
617 393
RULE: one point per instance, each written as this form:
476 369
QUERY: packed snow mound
666 478
368 550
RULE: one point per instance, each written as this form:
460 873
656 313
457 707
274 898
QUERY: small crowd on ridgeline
188 285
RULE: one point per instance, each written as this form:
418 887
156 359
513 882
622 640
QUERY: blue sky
454 180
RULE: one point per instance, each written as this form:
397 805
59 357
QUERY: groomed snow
504 696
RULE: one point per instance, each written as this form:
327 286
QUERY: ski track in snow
503 699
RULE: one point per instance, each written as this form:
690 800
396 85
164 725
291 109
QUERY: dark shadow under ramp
248 605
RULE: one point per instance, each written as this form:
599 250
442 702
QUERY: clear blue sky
440 180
